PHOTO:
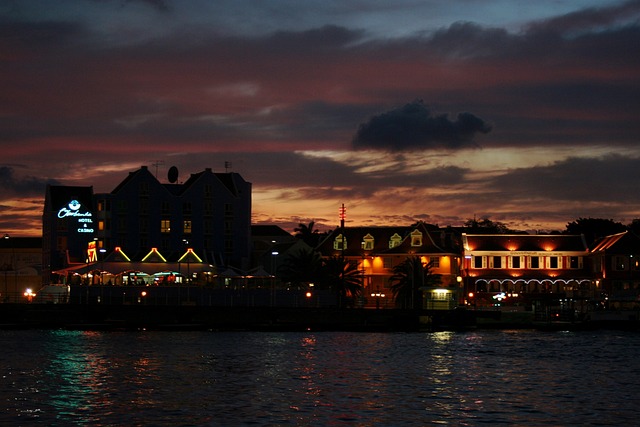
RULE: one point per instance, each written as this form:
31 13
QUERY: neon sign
85 220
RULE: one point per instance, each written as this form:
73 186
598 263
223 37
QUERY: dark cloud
27 186
590 19
612 178
413 127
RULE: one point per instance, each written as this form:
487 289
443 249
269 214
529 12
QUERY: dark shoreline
186 317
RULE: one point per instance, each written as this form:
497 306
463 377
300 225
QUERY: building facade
208 216
522 270
377 250
615 262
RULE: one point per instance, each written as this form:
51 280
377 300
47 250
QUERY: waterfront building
20 267
201 225
525 271
377 250
615 264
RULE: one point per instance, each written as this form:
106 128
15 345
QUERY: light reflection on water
318 378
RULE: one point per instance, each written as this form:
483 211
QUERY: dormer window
340 243
416 238
395 240
367 242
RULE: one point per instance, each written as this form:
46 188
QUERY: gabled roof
130 177
620 243
524 242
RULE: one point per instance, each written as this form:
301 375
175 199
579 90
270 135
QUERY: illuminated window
416 238
186 227
395 240
434 261
340 243
101 225
367 242
165 225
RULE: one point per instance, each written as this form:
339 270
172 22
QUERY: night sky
526 112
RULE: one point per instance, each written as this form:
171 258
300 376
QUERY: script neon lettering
64 212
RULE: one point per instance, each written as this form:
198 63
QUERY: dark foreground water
319 378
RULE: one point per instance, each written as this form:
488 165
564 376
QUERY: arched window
367 242
416 238
340 243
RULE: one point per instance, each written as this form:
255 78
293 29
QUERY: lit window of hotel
339 243
554 262
367 242
515 262
165 226
416 238
395 240
534 262
434 261
186 227
101 225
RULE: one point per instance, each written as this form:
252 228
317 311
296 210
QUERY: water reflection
318 378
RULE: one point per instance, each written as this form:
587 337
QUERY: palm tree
409 278
307 233
343 278
301 268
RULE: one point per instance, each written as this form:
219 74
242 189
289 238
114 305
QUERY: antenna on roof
227 166
157 163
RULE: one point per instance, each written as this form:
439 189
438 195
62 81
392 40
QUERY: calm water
319 378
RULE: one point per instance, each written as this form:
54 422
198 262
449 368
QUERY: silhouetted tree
408 280
301 267
634 226
486 226
308 234
343 278
594 228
